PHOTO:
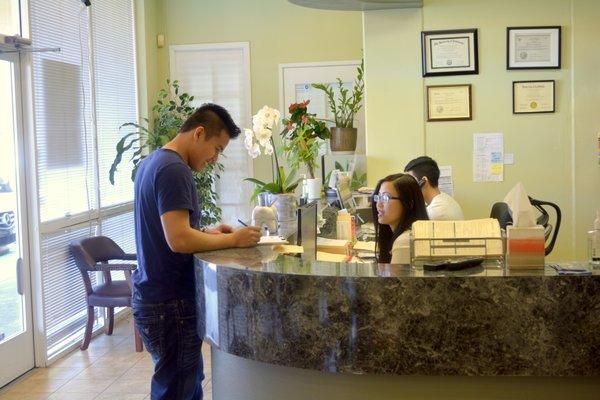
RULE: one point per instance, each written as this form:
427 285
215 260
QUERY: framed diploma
536 47
448 102
533 97
449 52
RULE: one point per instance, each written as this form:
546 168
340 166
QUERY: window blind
76 115
62 112
65 308
113 38
220 74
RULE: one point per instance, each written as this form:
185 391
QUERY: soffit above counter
358 5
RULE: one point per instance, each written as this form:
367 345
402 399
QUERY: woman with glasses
397 203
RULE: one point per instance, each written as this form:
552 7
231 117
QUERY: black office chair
501 212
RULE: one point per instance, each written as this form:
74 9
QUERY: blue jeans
169 333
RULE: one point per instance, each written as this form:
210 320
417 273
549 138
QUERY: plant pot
343 139
286 206
313 188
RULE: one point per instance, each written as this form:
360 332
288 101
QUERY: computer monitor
307 230
345 194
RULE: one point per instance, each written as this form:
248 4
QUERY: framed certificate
448 102
536 47
449 52
533 97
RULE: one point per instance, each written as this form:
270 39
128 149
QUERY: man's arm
182 238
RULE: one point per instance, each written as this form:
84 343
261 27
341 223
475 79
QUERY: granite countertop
394 319
264 259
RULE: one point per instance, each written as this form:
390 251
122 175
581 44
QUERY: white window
113 49
220 73
81 95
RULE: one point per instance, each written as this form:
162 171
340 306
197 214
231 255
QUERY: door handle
20 276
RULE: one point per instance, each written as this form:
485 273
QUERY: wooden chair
92 255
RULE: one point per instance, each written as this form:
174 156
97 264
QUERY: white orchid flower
248 139
268 149
263 123
254 151
263 135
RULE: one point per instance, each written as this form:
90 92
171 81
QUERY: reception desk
283 327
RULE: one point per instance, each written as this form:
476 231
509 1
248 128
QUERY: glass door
16 333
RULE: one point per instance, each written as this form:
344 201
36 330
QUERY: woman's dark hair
414 209
214 119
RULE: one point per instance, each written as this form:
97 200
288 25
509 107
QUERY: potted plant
344 108
171 110
283 186
303 134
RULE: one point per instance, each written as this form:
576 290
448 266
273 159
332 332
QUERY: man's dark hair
424 166
214 119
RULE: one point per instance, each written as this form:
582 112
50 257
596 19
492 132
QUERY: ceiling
358 5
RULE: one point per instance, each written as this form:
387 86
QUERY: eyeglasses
384 198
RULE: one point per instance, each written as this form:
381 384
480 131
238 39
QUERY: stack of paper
337 246
476 237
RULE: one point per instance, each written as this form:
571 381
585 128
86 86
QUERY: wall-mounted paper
318 102
488 157
445 183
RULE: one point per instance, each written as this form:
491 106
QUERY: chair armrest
129 256
115 267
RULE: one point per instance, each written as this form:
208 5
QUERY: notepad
476 237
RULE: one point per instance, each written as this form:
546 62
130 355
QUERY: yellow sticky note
497 169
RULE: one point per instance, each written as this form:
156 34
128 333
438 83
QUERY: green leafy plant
282 184
357 181
171 110
302 136
347 104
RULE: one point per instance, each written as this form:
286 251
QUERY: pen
241 222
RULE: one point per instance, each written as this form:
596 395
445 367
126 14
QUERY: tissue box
525 247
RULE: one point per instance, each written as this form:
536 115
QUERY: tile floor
109 369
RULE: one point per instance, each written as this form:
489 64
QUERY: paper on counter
271 240
488 157
483 235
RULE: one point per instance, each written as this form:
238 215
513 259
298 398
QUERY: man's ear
199 132
423 181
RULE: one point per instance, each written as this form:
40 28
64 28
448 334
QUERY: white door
16 333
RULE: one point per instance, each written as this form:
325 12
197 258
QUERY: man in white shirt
440 206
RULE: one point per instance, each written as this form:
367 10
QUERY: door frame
23 351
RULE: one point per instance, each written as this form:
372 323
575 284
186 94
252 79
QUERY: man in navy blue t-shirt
167 233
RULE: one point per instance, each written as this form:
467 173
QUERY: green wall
554 153
278 32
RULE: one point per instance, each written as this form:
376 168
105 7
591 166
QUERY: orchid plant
261 137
